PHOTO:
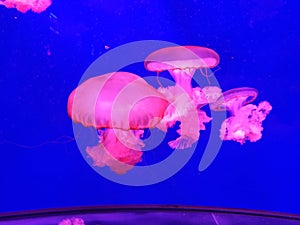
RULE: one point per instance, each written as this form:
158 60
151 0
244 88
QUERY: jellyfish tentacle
157 79
204 72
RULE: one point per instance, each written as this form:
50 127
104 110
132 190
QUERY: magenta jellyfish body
246 119
119 105
182 62
23 6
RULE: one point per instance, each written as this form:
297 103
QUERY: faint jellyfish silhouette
72 221
23 6
182 62
120 106
245 122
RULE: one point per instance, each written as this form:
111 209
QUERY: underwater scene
149 112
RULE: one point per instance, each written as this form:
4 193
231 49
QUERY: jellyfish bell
181 57
182 62
245 122
119 105
96 100
234 99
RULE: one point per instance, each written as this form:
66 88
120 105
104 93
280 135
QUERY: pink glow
72 221
246 119
122 103
23 6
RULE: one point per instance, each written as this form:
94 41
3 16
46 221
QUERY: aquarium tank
149 112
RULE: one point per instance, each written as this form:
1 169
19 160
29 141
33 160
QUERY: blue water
43 57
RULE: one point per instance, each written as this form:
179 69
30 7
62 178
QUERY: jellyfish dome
120 106
232 100
182 62
245 122
23 6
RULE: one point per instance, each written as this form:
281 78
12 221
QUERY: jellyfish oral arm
246 123
184 109
7 4
212 93
183 78
23 6
118 149
190 127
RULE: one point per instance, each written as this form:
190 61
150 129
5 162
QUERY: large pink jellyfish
119 105
23 6
246 119
182 62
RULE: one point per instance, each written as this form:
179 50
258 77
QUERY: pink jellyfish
182 62
23 6
246 119
119 105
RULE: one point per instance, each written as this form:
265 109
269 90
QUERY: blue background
43 57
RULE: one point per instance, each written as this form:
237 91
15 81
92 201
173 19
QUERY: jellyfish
245 121
182 62
23 6
120 106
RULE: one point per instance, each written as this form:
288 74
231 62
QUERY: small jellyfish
120 106
232 100
245 122
23 6
182 62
